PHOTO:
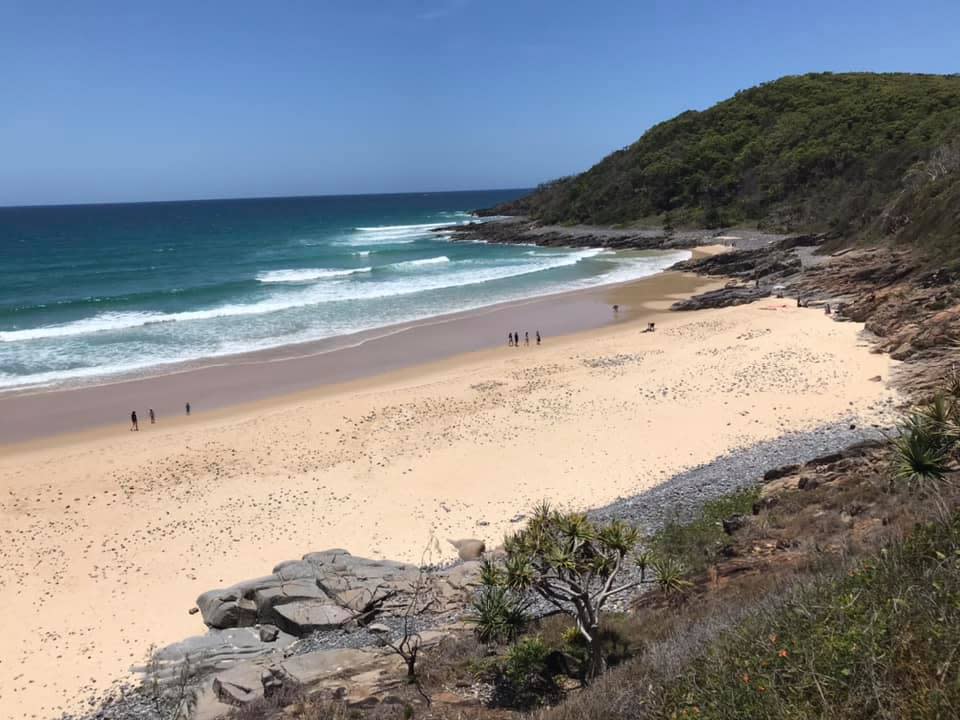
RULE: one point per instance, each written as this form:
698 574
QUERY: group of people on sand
135 421
513 338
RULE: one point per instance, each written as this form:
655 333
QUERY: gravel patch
682 496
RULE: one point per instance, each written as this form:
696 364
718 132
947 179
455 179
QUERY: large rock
217 649
227 608
269 597
724 297
303 617
240 685
469 548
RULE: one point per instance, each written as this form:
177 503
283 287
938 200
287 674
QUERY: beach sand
110 535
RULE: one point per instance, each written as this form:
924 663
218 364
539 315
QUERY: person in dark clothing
188 408
153 417
538 337
526 338
134 425
516 339
510 339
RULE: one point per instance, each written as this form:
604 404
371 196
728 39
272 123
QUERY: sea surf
93 291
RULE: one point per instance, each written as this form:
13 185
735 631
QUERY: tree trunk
596 662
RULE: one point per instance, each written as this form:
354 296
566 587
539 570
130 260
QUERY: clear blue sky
115 101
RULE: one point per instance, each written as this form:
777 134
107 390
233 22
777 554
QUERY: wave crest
307 274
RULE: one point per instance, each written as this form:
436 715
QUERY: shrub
572 564
524 679
697 544
671 577
878 642
499 614
919 452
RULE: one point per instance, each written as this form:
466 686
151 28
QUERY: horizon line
257 197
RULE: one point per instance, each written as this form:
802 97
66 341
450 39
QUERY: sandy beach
110 535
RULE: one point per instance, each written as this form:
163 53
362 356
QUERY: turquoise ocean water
94 290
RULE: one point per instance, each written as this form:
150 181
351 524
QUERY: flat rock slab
217 649
303 617
239 685
314 667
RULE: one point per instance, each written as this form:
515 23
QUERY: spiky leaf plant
573 564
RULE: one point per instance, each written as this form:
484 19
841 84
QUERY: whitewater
129 288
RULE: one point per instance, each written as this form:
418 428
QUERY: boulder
268 633
469 548
227 608
239 686
269 597
303 617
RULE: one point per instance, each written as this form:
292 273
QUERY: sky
113 101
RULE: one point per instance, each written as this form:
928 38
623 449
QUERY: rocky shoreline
521 231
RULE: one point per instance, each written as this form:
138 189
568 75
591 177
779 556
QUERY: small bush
697 544
499 614
919 452
524 679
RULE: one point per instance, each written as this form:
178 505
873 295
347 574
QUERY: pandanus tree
573 564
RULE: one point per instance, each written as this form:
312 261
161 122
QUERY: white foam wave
397 233
98 323
630 268
307 274
413 264
336 290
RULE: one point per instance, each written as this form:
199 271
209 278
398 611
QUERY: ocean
89 291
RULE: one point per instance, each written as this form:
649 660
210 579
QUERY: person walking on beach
526 338
134 425
153 417
538 337
516 339
187 407
510 339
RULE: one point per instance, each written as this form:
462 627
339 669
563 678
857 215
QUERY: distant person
187 406
516 339
526 339
538 337
134 425
153 417
616 309
827 310
510 339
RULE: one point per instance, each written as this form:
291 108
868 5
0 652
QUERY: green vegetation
571 563
499 613
697 544
879 643
854 153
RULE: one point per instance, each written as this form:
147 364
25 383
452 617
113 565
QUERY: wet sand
109 536
243 379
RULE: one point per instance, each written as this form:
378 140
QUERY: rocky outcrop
772 262
520 230
322 590
724 297
325 591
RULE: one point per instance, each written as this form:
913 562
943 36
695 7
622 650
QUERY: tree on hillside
573 564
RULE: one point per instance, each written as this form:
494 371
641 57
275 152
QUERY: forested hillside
850 152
